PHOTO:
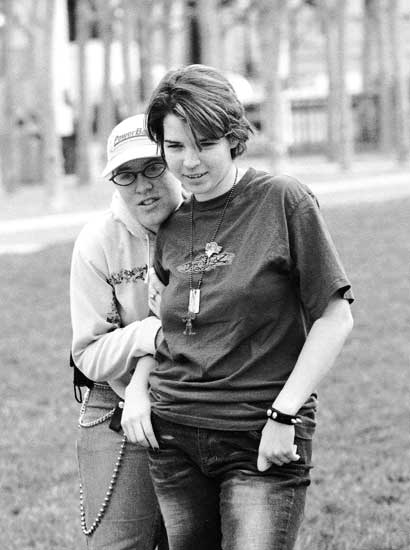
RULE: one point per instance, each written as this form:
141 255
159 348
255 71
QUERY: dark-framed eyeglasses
127 177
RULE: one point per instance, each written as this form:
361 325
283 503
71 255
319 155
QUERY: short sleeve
317 266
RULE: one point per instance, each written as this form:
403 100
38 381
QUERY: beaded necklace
211 248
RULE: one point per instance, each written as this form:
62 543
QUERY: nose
191 158
143 184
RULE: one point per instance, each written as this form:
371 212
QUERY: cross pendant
190 316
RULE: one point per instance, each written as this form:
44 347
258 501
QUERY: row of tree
172 32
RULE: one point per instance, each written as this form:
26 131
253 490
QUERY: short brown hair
205 100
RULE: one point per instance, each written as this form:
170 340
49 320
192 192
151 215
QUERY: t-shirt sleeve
317 266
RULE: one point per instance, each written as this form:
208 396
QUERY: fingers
154 301
154 292
263 463
154 282
265 459
148 432
138 429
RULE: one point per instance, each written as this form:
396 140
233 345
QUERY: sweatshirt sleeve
103 349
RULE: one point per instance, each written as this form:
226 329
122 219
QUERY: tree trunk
208 18
401 84
367 115
272 16
127 36
346 134
329 22
52 147
386 110
145 28
106 117
167 37
84 135
8 132
294 40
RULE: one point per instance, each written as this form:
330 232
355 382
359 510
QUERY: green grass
361 481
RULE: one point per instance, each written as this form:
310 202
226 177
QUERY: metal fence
308 123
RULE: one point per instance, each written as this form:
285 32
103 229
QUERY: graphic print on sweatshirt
128 275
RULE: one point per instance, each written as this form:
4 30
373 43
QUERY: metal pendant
188 323
194 299
212 248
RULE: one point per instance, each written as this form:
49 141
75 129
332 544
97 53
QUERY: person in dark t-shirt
254 310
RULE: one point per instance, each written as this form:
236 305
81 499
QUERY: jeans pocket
306 429
98 407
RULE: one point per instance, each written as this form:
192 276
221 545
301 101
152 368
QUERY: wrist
136 387
282 418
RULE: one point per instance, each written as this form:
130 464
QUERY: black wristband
283 418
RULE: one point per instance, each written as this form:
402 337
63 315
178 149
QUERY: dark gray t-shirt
271 280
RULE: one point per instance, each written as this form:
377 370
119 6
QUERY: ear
233 142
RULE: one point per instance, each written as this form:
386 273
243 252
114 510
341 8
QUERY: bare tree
368 119
52 160
345 104
127 37
8 133
167 37
294 40
329 22
385 80
83 107
401 84
106 116
340 132
272 17
145 28
210 34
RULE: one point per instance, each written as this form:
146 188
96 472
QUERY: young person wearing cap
254 311
112 328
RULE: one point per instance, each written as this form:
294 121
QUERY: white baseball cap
129 140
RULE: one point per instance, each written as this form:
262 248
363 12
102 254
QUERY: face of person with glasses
149 190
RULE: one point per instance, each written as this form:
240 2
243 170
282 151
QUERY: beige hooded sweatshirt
109 296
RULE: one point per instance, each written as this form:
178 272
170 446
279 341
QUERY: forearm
323 344
139 382
136 417
111 355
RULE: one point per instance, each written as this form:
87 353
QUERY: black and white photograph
205 274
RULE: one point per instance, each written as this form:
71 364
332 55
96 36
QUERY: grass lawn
361 480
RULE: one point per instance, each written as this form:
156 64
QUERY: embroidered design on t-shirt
201 262
114 317
128 275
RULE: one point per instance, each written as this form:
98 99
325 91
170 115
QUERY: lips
148 201
194 176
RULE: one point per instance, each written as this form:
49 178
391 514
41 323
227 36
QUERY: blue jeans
132 519
212 495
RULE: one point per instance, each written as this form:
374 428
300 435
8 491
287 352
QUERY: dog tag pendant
194 298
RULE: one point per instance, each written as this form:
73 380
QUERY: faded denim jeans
132 520
212 496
